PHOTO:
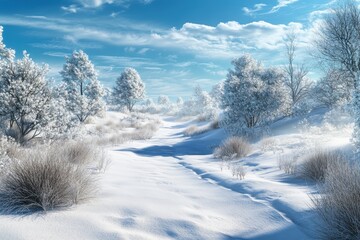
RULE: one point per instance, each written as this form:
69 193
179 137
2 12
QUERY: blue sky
174 44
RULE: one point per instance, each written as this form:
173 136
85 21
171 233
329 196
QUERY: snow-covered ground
171 187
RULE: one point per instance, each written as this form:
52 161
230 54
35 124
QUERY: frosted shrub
315 165
232 148
289 165
196 130
141 132
10 148
238 171
268 144
79 152
338 202
41 183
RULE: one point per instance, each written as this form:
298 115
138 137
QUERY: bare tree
296 76
339 39
339 43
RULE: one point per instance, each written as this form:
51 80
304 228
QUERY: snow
170 187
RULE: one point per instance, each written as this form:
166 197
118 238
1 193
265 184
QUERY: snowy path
150 191
169 200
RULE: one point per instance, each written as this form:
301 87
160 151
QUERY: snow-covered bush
82 88
238 171
196 130
334 89
338 202
9 151
77 152
128 89
142 127
43 181
268 144
288 164
253 95
315 165
232 148
25 97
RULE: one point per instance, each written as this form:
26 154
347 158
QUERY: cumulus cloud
224 40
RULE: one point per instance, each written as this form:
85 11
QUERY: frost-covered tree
128 89
334 89
253 95
62 124
25 97
339 43
83 89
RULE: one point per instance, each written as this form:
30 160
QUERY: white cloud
143 51
57 54
319 14
94 3
257 7
70 9
225 40
99 3
281 4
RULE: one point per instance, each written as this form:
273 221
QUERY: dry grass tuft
338 203
289 165
232 148
315 165
42 183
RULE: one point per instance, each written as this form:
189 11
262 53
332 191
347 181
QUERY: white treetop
25 97
84 91
5 53
253 95
164 100
128 89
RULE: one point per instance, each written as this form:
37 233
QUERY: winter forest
268 151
